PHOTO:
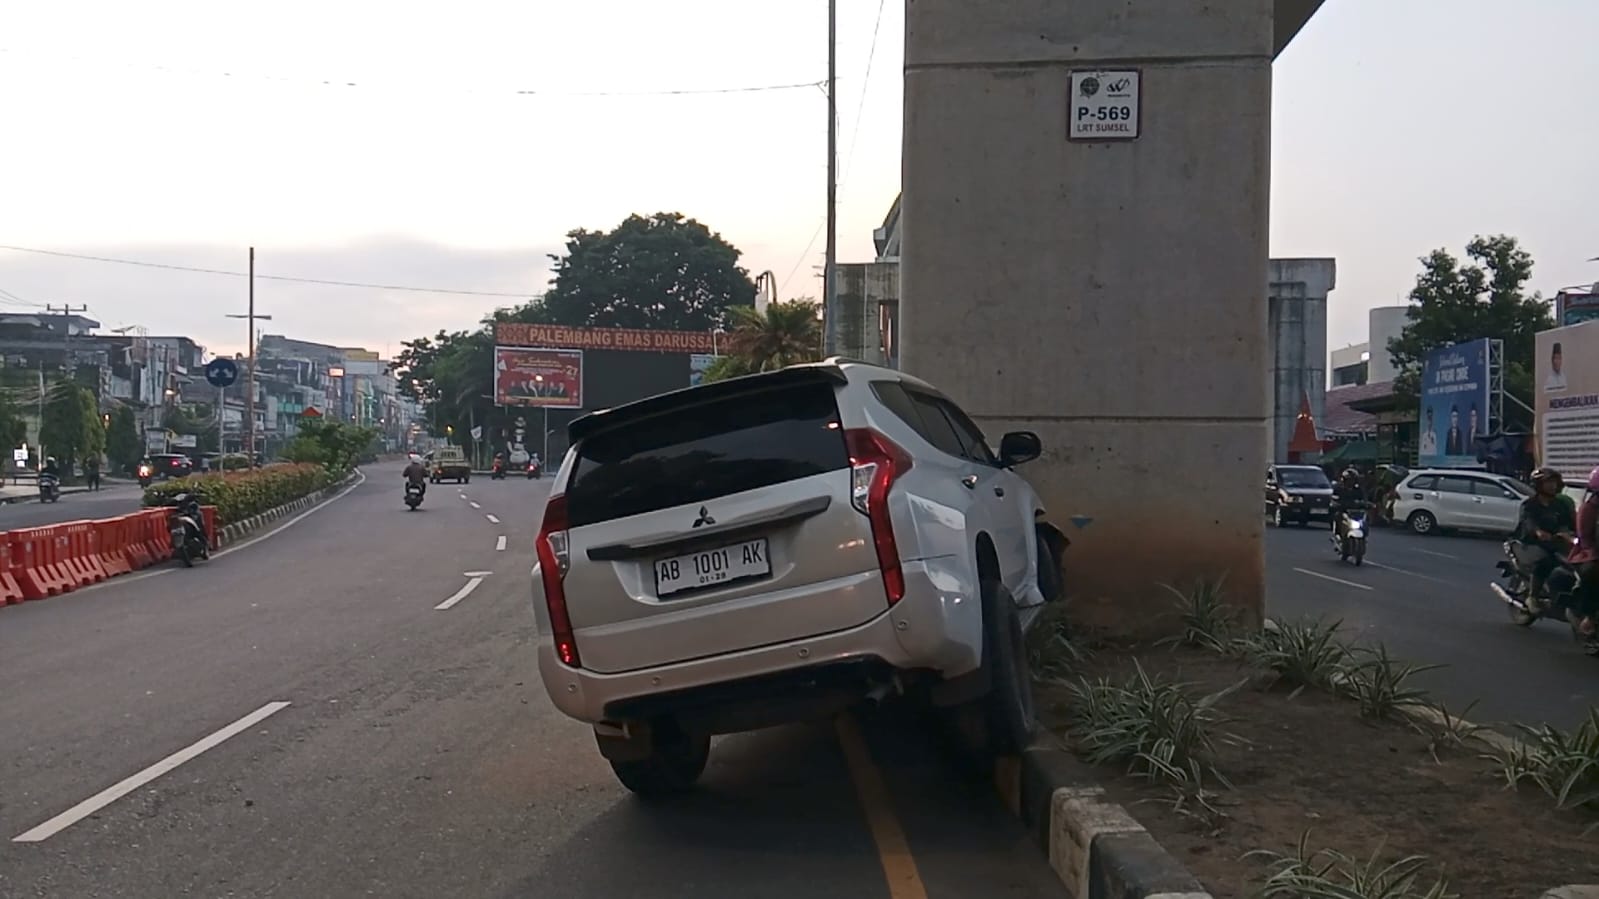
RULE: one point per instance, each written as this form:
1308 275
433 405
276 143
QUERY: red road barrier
82 555
114 545
10 590
157 534
37 554
210 513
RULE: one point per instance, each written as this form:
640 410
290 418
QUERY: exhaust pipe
1509 600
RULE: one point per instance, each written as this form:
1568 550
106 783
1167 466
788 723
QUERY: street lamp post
544 423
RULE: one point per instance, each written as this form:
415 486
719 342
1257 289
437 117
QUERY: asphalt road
1428 600
417 754
107 502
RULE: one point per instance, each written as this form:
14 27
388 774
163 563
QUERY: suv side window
971 436
1491 489
1454 484
1423 482
915 410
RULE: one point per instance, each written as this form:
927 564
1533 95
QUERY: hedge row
241 494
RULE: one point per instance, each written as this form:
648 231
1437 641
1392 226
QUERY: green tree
123 445
13 429
332 443
71 429
1454 303
662 271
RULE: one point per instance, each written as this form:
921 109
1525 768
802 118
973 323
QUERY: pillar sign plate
1104 106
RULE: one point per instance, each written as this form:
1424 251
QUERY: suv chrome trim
711 535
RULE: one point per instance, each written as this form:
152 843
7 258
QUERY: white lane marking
492 519
499 544
1425 577
476 506
1328 577
1428 552
128 579
463 593
116 791
476 573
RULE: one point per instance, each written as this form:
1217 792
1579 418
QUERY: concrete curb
238 530
1096 847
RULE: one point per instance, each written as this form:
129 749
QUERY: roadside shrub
1564 764
1380 684
1208 621
241 494
1052 653
1302 655
1162 733
1330 874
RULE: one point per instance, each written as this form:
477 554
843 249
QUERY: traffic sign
221 372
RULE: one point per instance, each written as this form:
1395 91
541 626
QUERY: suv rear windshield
702 451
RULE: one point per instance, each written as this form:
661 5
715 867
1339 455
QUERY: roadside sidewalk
27 491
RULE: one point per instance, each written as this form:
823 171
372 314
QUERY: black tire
1277 518
1050 581
183 555
1422 522
671 770
1010 714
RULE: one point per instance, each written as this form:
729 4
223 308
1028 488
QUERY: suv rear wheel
674 764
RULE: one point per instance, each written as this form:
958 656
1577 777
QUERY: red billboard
528 376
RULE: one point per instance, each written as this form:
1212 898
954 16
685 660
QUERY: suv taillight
553 564
875 464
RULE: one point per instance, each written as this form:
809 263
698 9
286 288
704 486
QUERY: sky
389 143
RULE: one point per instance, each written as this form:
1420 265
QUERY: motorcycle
413 495
49 488
497 473
189 541
534 470
146 475
1556 601
1351 543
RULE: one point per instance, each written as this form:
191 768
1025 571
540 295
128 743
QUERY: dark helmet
1350 474
1541 475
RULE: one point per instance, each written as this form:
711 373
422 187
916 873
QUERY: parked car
1299 494
1431 499
751 552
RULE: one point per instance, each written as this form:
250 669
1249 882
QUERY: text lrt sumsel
705 568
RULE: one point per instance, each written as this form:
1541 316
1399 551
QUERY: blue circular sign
221 372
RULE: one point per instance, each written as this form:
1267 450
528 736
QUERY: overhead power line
499 91
322 281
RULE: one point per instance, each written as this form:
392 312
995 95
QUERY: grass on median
1161 717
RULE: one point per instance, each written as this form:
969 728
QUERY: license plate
736 562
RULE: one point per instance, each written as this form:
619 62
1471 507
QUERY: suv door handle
969 482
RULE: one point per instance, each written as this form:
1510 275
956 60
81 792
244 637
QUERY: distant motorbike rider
51 468
1545 531
1584 555
417 473
1348 497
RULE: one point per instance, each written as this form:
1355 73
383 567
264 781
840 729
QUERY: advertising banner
1573 307
1568 399
1454 405
531 376
515 334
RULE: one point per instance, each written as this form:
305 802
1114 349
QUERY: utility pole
829 275
249 366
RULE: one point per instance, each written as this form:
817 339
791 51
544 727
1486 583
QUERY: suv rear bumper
927 630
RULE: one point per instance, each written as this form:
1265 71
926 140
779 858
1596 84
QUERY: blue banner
1454 405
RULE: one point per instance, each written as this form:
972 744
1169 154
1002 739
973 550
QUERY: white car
760 550
1429 499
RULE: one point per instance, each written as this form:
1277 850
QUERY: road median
1286 762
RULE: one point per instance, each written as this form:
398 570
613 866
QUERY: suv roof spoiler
604 419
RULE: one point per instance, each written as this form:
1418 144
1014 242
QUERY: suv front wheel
1004 720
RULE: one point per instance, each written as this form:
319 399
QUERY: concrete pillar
1296 327
1106 295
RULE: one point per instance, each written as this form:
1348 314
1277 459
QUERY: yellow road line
893 850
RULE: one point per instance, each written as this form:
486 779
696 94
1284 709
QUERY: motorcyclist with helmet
1584 555
417 473
1544 532
1348 497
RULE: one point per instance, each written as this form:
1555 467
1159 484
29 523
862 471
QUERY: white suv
755 551
1436 498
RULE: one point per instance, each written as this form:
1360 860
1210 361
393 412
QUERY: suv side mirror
1018 447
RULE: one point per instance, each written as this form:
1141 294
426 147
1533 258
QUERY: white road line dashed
492 519
1425 577
1429 552
499 544
122 788
476 506
465 591
1328 577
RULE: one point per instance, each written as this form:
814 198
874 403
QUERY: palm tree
785 334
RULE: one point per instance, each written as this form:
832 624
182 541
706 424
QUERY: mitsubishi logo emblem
704 519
